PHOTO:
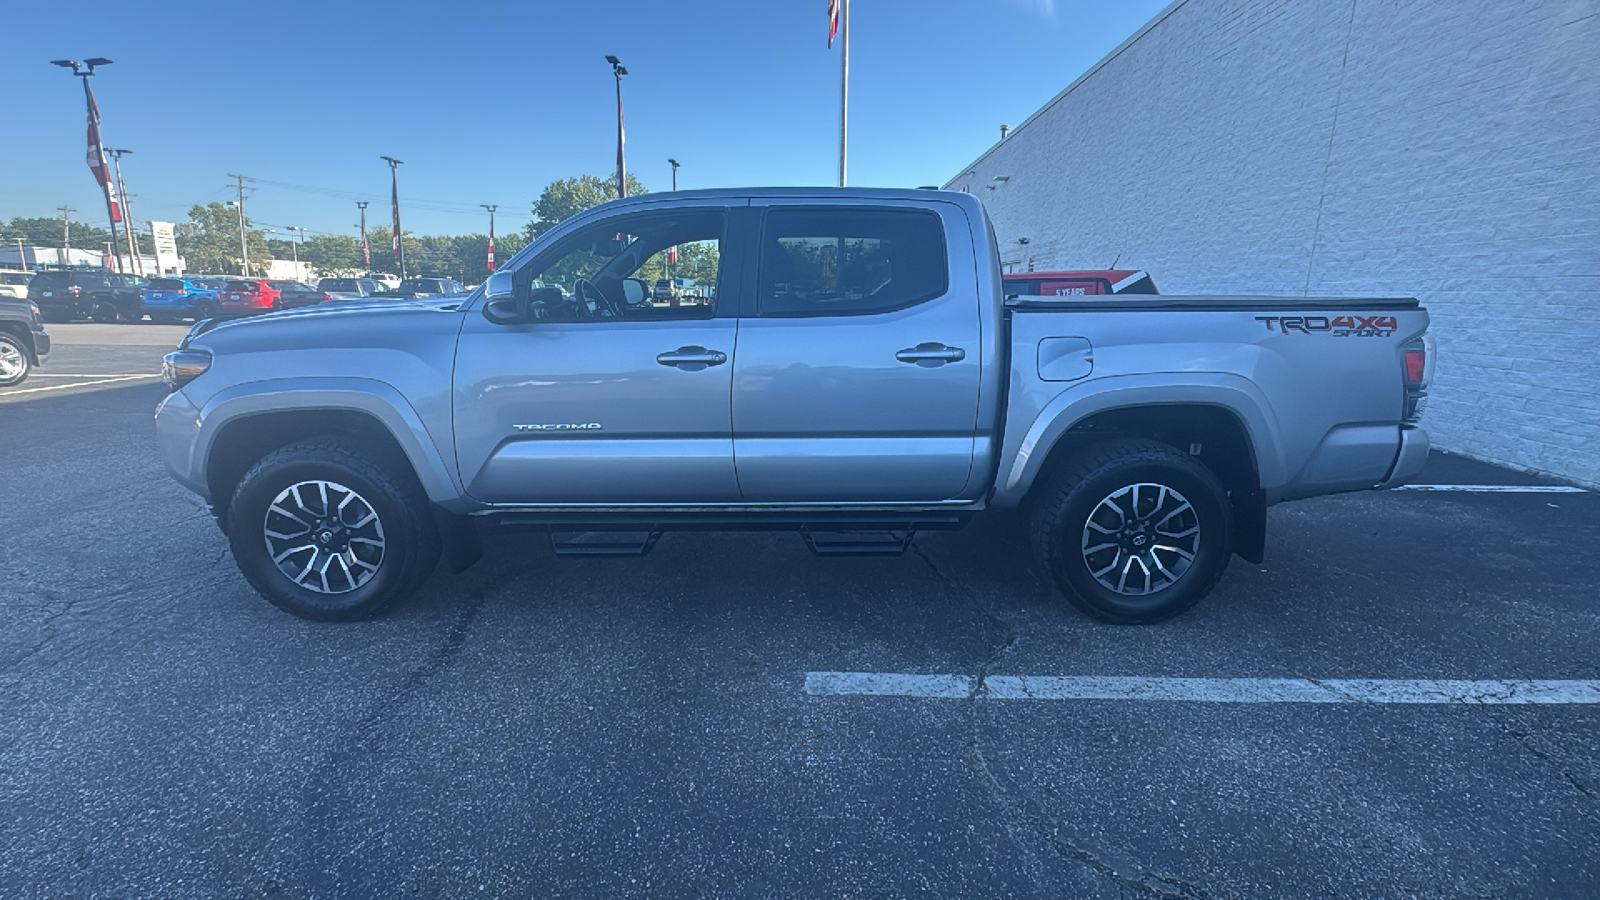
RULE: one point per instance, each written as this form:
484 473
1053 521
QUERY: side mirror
499 299
634 291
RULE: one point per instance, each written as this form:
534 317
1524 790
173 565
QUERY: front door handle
692 358
931 354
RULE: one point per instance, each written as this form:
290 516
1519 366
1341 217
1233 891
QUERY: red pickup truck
249 295
1081 283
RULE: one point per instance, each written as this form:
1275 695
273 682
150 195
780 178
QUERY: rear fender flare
1231 392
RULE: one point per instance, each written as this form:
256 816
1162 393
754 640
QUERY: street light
394 199
299 237
97 158
674 164
127 212
491 207
619 70
244 251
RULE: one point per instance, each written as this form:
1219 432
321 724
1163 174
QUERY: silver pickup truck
856 374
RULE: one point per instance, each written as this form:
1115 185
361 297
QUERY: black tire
104 313
409 539
205 311
1124 477
15 360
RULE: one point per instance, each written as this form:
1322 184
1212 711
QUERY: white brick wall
1444 150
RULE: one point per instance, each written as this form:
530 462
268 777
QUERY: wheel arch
242 425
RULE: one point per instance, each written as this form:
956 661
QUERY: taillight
326 297
1417 354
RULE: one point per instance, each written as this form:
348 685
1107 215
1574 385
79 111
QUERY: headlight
180 367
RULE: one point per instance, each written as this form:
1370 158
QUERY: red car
1086 282
249 295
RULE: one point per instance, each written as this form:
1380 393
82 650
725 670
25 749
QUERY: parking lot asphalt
643 727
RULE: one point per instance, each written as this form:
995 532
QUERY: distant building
1445 151
26 257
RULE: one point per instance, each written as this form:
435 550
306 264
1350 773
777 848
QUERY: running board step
603 543
857 543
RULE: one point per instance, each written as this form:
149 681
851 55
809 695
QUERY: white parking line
93 375
63 387
1205 690
1496 488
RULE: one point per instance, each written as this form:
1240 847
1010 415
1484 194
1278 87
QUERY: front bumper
41 345
177 434
1413 455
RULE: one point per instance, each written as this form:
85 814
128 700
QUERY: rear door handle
931 354
692 358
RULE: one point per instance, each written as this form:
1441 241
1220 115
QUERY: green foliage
44 231
209 242
570 196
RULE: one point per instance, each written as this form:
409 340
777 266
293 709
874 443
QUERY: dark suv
98 294
429 287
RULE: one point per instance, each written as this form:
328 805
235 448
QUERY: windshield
339 284
422 285
166 284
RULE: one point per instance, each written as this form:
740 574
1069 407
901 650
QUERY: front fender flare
365 395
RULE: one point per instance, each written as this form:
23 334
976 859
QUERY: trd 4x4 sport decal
1338 326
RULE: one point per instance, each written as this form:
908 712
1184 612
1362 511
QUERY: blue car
170 299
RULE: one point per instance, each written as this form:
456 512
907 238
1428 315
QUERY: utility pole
66 235
491 207
619 70
299 236
244 251
366 253
22 256
127 213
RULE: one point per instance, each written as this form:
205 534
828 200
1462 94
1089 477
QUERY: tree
570 196
45 231
332 254
209 242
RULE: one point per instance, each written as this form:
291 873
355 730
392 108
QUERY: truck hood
340 313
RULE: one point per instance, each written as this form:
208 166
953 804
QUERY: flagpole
100 154
844 88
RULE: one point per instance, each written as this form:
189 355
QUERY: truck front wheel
323 532
1133 531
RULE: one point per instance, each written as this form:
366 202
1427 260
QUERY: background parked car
84 293
167 300
15 284
351 288
429 287
23 341
244 296
294 295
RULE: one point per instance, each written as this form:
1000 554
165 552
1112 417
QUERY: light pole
300 235
672 256
674 164
127 212
394 200
619 70
491 207
366 252
97 153
244 252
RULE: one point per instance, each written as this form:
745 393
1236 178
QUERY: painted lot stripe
1206 690
79 384
1496 488
94 375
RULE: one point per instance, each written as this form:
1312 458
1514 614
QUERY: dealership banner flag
833 21
97 158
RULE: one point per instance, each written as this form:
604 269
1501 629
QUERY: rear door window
850 261
166 284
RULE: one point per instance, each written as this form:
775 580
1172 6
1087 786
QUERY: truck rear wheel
325 533
1133 531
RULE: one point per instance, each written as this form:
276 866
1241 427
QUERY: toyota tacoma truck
857 376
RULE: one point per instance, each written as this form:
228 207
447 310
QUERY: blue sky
488 102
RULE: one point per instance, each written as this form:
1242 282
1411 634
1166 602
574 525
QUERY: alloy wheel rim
11 362
1141 539
324 536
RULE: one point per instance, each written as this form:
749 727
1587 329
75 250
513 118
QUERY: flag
366 251
491 243
97 157
833 21
394 202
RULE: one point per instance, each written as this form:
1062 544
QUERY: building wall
1444 150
